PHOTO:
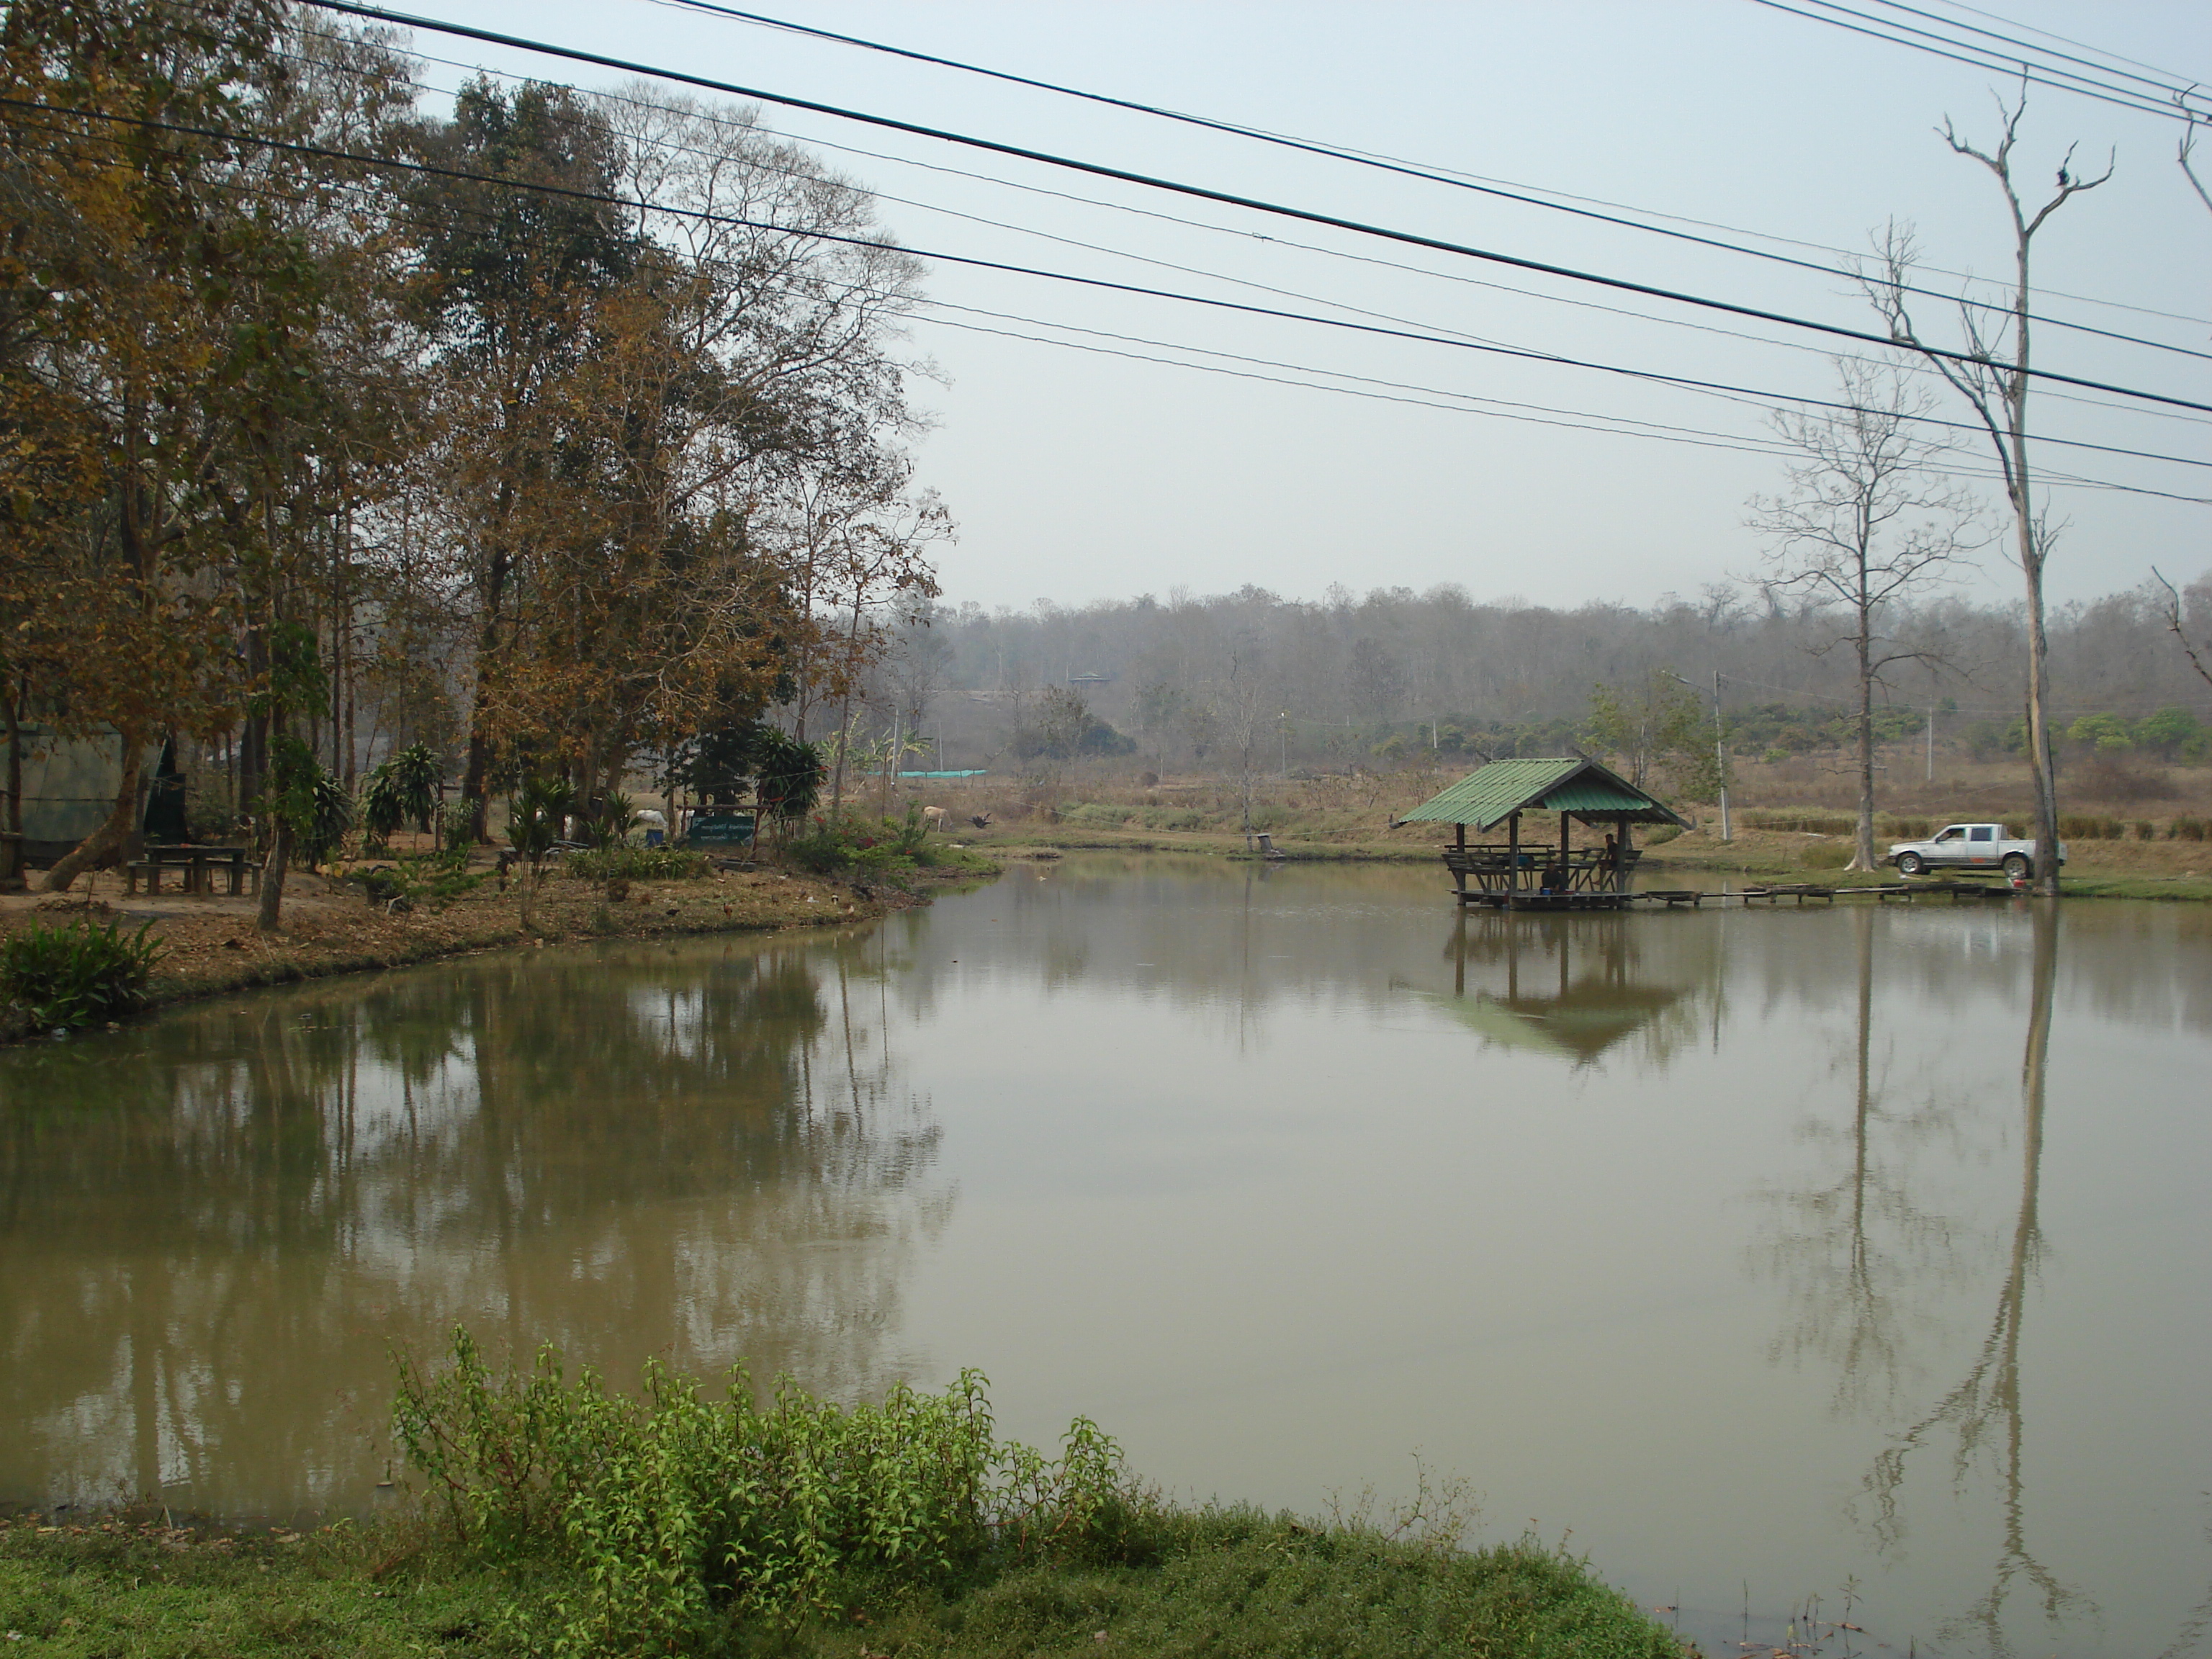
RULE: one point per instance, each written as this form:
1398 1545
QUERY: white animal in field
932 817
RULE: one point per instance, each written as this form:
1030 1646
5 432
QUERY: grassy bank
1234 1584
2131 849
559 1517
211 947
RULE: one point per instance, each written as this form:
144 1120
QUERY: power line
1388 264
1461 343
1227 199
1876 28
1386 164
1459 402
2065 40
2170 86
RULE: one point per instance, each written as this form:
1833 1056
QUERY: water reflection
1983 1416
1574 986
214 1225
1860 1256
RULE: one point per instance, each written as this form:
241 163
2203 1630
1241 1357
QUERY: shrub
1098 817
439 878
635 864
878 847
1810 823
2084 827
669 1510
2186 828
79 974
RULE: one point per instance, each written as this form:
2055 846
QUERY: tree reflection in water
1984 1413
215 1225
1858 1253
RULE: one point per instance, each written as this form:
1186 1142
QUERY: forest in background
1255 681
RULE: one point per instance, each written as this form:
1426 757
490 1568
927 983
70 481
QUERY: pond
1859 1253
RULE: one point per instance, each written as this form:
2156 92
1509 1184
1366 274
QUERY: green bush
437 877
668 1512
79 974
635 864
886 848
2186 828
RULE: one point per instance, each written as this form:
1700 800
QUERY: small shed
1508 875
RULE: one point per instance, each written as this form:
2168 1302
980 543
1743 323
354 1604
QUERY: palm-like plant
534 816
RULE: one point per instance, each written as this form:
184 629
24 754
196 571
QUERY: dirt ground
213 944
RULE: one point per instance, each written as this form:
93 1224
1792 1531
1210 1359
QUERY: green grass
1227 1584
155 1594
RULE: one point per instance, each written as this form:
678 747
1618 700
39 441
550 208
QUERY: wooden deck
1674 898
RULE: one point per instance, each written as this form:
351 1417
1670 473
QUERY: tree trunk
2039 724
1862 845
273 878
11 858
100 847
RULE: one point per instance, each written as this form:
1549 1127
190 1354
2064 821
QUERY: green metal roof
1488 796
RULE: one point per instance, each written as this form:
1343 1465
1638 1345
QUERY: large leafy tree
520 249
132 276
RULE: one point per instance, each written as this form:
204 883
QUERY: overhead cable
1909 366
1228 198
1650 376
1900 34
1386 164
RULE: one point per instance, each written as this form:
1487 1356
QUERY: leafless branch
2173 622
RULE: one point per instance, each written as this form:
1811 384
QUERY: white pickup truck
1968 846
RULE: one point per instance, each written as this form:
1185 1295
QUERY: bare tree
1861 524
1993 381
2188 143
2172 611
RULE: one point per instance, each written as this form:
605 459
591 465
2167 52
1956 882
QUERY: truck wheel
1908 864
2015 865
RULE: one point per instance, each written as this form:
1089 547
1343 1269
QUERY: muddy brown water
1851 1262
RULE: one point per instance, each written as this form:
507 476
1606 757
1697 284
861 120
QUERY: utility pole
1282 739
1720 755
1931 744
1720 745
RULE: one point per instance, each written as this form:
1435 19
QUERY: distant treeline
1221 680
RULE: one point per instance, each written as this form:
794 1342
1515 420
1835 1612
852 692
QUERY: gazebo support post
1459 871
1513 858
1620 853
1567 875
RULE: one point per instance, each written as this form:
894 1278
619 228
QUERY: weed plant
618 863
666 1514
78 974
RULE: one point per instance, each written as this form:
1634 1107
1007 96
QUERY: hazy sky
1076 475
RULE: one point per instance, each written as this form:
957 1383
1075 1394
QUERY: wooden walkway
1675 897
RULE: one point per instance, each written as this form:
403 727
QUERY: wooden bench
194 866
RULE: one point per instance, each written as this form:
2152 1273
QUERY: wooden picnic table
195 863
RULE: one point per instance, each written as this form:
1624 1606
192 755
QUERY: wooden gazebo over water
1508 875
